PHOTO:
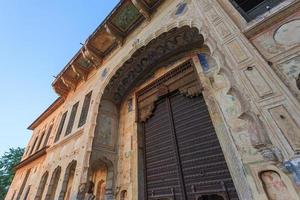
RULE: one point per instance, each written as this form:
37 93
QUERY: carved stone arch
102 162
68 180
52 188
41 187
203 31
168 46
115 88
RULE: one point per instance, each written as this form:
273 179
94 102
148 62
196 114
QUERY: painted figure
274 186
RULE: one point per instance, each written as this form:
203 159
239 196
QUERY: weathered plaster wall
280 44
249 73
250 107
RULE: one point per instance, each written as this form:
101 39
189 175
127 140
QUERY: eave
107 37
31 158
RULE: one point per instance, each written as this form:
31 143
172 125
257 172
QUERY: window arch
41 187
38 146
33 146
48 135
53 184
23 184
61 126
68 181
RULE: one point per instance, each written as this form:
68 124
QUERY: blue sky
37 39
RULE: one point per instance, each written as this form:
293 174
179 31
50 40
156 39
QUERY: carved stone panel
289 71
258 82
213 15
287 125
223 30
166 48
237 51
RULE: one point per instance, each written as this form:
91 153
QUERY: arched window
27 193
85 109
68 181
48 135
27 150
13 196
41 187
33 146
61 126
53 184
38 146
23 184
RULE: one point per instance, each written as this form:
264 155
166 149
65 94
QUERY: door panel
183 157
161 165
203 164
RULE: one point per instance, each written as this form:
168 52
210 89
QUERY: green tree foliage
7 163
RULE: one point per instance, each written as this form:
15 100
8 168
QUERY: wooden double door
183 157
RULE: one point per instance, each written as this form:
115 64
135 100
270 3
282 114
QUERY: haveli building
174 99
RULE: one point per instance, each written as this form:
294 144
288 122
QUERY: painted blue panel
180 8
203 61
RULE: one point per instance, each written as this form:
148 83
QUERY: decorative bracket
68 82
118 35
91 55
142 9
61 89
80 72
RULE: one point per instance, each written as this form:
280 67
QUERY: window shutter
85 109
33 146
48 135
72 118
250 9
61 126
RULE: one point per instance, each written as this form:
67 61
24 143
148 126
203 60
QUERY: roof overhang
109 35
31 158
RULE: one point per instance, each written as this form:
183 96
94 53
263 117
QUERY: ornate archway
169 47
166 48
